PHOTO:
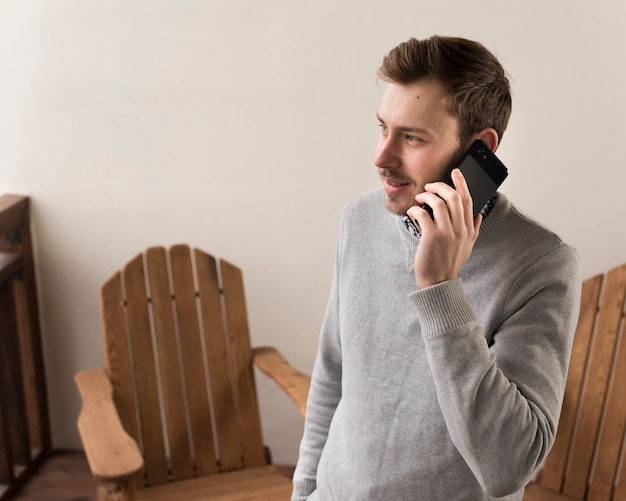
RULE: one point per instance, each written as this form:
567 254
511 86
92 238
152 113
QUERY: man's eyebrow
407 128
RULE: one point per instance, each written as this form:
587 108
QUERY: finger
458 180
454 204
441 189
460 183
438 206
421 216
477 222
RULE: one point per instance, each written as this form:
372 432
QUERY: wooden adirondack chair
588 460
174 414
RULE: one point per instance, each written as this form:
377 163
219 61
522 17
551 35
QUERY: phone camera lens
480 151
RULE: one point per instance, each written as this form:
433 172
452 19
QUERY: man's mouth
394 184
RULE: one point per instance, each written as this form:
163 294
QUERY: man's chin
396 206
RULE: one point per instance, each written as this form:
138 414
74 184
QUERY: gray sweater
448 393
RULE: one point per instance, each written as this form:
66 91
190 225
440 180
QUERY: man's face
418 142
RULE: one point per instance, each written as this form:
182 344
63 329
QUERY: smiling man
443 353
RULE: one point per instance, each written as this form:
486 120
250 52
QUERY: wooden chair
174 414
588 460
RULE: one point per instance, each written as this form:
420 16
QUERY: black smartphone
484 173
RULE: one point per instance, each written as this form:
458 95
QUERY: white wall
242 127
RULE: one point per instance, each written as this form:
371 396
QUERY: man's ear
490 138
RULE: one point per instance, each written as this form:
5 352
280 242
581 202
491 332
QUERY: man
443 353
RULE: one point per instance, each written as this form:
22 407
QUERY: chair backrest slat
178 352
117 355
218 361
241 355
619 494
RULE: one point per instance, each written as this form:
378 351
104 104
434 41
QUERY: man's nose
386 154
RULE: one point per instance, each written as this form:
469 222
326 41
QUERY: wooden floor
65 476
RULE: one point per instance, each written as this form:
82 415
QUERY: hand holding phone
483 172
446 245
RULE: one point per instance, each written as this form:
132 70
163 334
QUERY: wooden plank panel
553 472
14 211
193 361
145 373
169 365
241 356
595 385
217 357
612 431
7 473
34 413
32 409
620 488
11 379
6 456
116 353
25 247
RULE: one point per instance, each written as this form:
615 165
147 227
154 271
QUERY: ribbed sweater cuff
302 490
442 307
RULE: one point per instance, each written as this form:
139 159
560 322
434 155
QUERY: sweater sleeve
501 400
324 396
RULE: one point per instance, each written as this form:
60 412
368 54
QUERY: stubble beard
398 205
395 208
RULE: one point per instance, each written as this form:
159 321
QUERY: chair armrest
295 383
112 454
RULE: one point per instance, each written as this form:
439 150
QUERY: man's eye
383 129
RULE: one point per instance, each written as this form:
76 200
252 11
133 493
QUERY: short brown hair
477 87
